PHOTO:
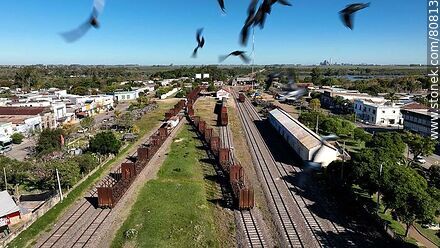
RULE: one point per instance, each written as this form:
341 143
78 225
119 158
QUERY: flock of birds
255 17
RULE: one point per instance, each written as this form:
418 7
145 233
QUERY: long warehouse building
306 143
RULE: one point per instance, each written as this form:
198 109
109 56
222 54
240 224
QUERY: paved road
21 151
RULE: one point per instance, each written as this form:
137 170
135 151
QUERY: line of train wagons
111 189
242 190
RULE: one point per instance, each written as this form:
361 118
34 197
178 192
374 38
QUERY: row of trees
372 86
37 175
381 167
332 124
40 174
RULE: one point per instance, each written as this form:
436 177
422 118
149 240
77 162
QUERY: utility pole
6 182
59 185
378 192
253 56
343 162
317 124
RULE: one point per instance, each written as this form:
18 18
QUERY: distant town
331 155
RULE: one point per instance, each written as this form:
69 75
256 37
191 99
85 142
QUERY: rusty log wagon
243 193
241 97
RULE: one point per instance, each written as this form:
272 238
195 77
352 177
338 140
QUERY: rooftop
15 119
22 110
306 136
7 204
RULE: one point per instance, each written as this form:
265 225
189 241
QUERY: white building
378 114
223 93
306 143
199 76
330 93
169 93
126 96
6 129
167 82
205 75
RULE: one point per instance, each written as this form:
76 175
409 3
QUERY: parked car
420 159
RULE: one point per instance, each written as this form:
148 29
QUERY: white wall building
169 93
223 93
167 82
126 96
306 143
6 129
378 114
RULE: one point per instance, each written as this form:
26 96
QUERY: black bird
240 54
222 5
265 9
249 22
348 12
76 34
200 41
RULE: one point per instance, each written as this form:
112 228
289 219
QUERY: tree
69 129
309 118
86 162
360 134
316 76
434 176
87 122
17 138
392 97
315 104
211 87
135 129
418 145
49 141
406 192
27 77
17 173
105 143
68 170
390 141
125 121
366 168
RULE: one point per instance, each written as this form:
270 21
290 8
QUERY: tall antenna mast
253 55
253 49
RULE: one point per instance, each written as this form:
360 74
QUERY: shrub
17 138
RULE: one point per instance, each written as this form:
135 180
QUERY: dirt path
421 240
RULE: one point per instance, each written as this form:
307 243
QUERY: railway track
80 225
314 223
253 233
252 230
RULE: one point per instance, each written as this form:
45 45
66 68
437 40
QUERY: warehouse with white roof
306 143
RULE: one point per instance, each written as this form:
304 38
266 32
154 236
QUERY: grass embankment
430 234
177 209
204 107
370 202
45 222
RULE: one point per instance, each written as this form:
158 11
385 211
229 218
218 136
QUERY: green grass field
44 223
173 210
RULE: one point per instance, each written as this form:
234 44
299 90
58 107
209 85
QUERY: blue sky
163 32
